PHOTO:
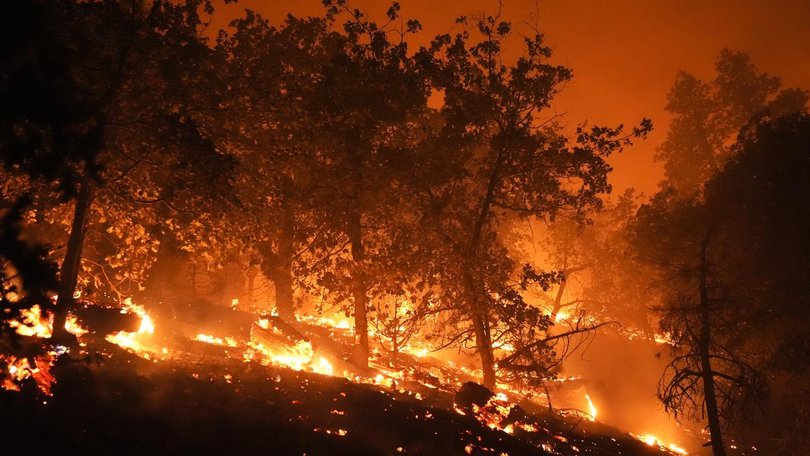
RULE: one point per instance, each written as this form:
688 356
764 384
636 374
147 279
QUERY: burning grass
285 388
235 407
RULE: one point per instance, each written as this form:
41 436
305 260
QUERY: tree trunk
193 281
483 342
71 264
484 346
718 449
361 349
251 286
282 282
478 311
395 336
282 271
558 299
354 230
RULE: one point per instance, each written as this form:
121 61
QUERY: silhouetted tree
765 256
708 373
271 134
701 236
367 95
509 160
708 116
47 128
129 68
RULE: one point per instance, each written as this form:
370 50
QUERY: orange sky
624 53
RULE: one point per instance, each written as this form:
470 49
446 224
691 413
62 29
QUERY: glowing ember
494 413
20 369
209 339
652 440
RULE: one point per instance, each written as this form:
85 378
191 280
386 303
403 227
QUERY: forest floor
112 401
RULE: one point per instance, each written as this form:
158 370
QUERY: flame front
134 340
654 441
296 357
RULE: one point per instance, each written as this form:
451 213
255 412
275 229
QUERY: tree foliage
708 115
723 242
509 158
309 149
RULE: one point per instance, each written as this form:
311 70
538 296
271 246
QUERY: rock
472 393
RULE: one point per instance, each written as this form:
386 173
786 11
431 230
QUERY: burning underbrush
287 387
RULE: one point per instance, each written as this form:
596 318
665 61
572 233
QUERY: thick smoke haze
625 54
563 227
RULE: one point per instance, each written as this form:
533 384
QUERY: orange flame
209 339
134 340
654 441
591 408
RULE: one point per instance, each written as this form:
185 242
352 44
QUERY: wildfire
134 340
296 353
591 408
341 323
418 352
665 338
272 347
562 315
494 412
323 367
20 369
296 357
33 323
209 339
653 441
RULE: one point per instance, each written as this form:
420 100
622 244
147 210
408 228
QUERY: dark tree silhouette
125 137
511 160
731 266
708 116
766 260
